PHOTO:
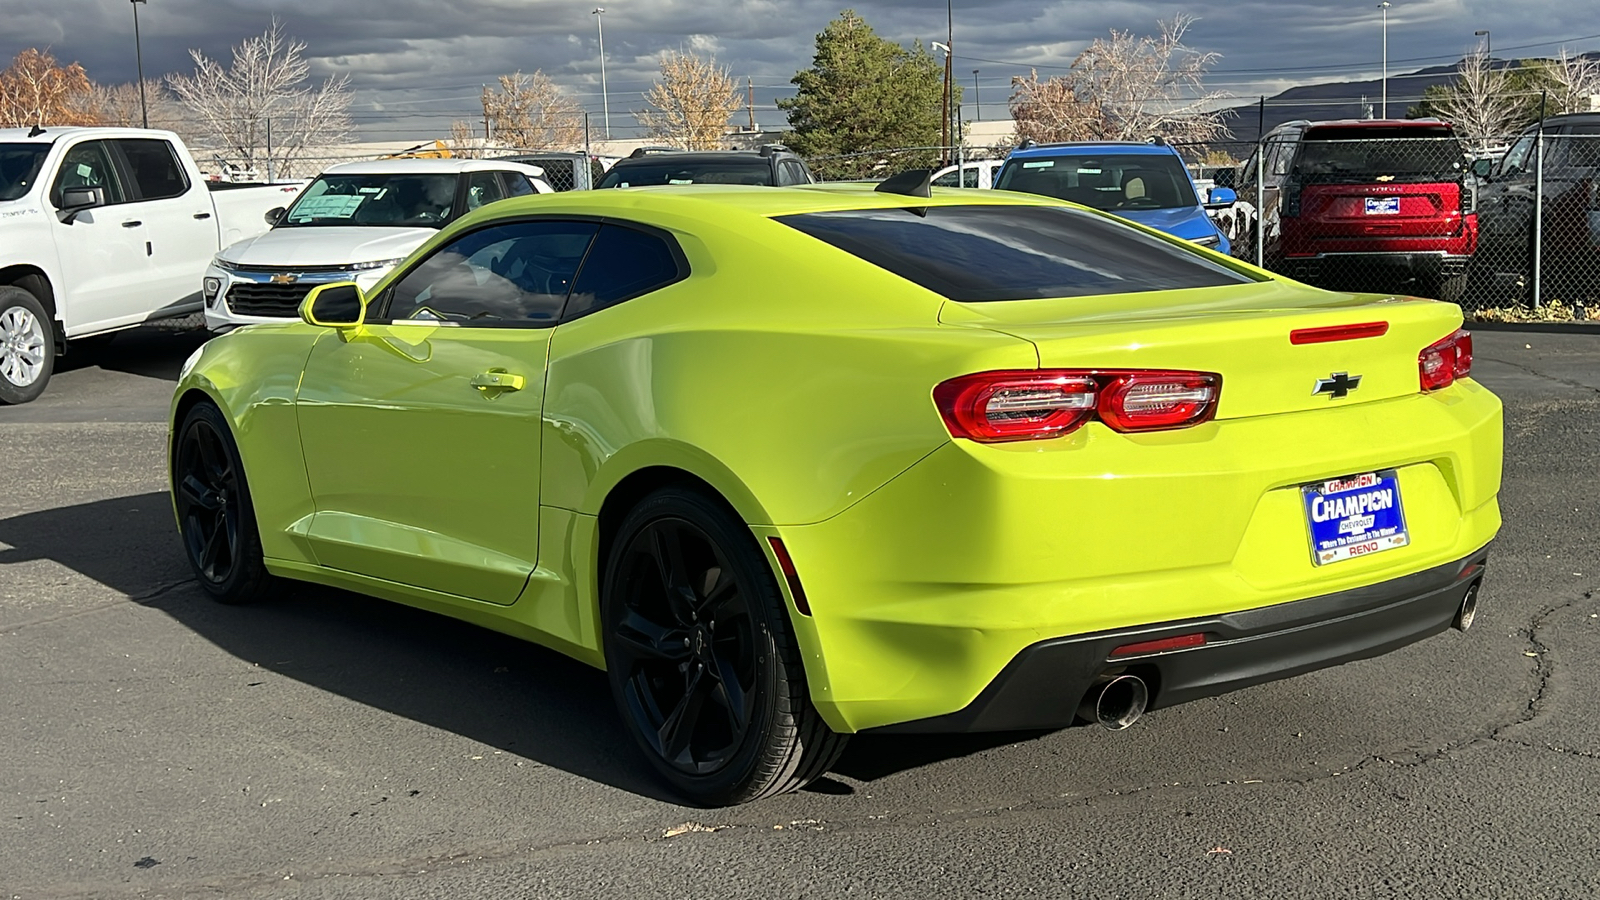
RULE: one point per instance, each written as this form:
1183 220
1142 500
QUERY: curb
1536 327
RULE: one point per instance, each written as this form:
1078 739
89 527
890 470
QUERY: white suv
356 221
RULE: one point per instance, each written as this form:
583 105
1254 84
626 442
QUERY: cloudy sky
417 64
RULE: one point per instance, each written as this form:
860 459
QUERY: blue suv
1145 183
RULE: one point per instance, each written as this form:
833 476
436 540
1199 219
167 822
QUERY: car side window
1516 159
948 179
483 188
88 165
516 184
515 274
969 178
624 263
156 172
794 173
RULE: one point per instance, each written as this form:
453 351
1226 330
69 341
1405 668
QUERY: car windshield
1368 153
381 200
666 170
1115 182
19 168
982 253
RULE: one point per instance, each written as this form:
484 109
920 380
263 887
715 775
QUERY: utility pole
605 97
976 100
750 104
138 55
486 134
949 87
1385 7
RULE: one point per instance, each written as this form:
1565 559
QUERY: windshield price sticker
1383 206
1355 516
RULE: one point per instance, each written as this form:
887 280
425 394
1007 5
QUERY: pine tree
863 94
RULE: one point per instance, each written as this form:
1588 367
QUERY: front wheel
215 516
703 663
27 346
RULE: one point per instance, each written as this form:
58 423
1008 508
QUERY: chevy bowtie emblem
1338 385
284 278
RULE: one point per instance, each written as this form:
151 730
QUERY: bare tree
1482 103
34 90
464 142
1573 80
692 102
119 105
260 111
531 112
1051 110
1147 86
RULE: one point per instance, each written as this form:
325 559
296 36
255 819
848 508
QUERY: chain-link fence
1504 228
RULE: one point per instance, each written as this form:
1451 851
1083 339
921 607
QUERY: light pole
138 55
976 100
950 136
944 112
1488 42
605 97
1385 7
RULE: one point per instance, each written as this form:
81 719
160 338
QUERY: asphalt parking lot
324 745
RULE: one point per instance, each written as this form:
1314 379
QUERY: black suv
772 165
1570 216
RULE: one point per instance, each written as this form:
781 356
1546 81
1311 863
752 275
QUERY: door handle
494 382
134 224
202 215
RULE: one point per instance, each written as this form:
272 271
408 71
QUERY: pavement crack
141 599
1538 374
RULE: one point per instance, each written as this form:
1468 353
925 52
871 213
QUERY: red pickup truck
1371 205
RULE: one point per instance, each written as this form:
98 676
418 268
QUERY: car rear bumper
1042 686
1321 267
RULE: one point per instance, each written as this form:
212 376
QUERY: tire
27 346
216 519
1450 290
697 633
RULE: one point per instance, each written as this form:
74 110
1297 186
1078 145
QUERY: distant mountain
1343 99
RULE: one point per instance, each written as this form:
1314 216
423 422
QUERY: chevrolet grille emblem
1338 385
284 278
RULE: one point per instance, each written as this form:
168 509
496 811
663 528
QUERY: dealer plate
1355 516
1383 206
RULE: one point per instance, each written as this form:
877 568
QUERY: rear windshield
1112 182
1377 153
382 200
698 171
19 168
983 253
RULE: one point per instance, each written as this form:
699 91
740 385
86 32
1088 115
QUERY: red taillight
1333 333
1181 642
1154 401
993 407
790 576
1445 360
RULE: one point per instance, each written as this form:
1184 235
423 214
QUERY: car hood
326 246
1187 222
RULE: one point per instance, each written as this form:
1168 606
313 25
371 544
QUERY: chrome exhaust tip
1468 612
1116 702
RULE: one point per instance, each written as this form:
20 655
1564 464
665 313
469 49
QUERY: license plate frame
1354 516
1383 206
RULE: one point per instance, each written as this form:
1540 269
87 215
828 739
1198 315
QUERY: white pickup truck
102 229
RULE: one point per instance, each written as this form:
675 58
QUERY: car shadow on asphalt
500 691
148 351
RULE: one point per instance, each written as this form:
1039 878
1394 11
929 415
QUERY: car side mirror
338 305
1482 167
75 200
1221 198
275 215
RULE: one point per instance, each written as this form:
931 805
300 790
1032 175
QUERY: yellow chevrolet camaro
796 463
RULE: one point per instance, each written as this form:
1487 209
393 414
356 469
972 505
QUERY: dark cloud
416 64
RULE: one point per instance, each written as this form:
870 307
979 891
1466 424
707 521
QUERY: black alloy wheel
702 660
215 517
